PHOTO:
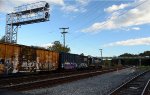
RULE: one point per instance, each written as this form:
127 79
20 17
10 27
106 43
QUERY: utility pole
101 55
101 52
63 33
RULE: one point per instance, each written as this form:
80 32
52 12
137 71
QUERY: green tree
136 61
2 39
82 54
57 46
127 55
145 53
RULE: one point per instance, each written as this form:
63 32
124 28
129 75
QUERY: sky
116 26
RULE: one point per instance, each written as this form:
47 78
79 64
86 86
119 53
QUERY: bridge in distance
138 57
125 58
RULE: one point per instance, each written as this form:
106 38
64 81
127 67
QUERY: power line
118 17
88 17
91 20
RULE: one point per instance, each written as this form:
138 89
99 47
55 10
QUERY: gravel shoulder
97 85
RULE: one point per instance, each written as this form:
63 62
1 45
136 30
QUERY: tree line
134 61
145 53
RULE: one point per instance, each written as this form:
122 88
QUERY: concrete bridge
120 58
138 57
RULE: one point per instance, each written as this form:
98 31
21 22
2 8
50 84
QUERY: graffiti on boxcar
15 63
38 63
2 61
28 66
19 58
2 67
82 65
9 65
27 59
44 65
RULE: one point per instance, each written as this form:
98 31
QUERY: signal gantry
25 14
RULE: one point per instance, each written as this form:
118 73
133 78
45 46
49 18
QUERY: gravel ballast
97 85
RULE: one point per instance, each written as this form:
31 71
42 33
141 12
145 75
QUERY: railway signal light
25 14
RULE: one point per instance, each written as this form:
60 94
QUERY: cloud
70 8
130 42
115 8
57 2
6 6
46 45
78 6
83 2
131 28
136 28
134 17
73 8
18 2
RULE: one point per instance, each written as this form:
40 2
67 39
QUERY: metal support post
140 62
101 50
63 33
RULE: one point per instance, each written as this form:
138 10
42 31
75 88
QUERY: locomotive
16 58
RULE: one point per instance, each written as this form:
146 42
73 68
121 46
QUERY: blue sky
116 26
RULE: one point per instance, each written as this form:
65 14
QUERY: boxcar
9 57
27 62
94 62
83 62
47 60
97 62
73 61
67 60
19 58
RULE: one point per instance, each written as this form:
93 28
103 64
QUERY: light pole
101 50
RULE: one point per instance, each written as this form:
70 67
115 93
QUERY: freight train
16 58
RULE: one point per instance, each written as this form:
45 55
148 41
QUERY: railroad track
138 85
20 79
146 90
23 86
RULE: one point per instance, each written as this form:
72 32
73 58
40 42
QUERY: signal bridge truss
25 14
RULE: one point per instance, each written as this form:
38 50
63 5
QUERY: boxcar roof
34 47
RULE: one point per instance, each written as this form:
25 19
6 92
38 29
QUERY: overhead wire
117 16
90 20
84 14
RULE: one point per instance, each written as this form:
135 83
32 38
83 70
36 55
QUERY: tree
136 61
145 53
57 46
82 54
2 39
127 55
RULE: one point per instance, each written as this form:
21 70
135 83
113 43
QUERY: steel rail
54 81
145 88
123 85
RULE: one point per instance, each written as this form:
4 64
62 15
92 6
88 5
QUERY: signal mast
23 15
